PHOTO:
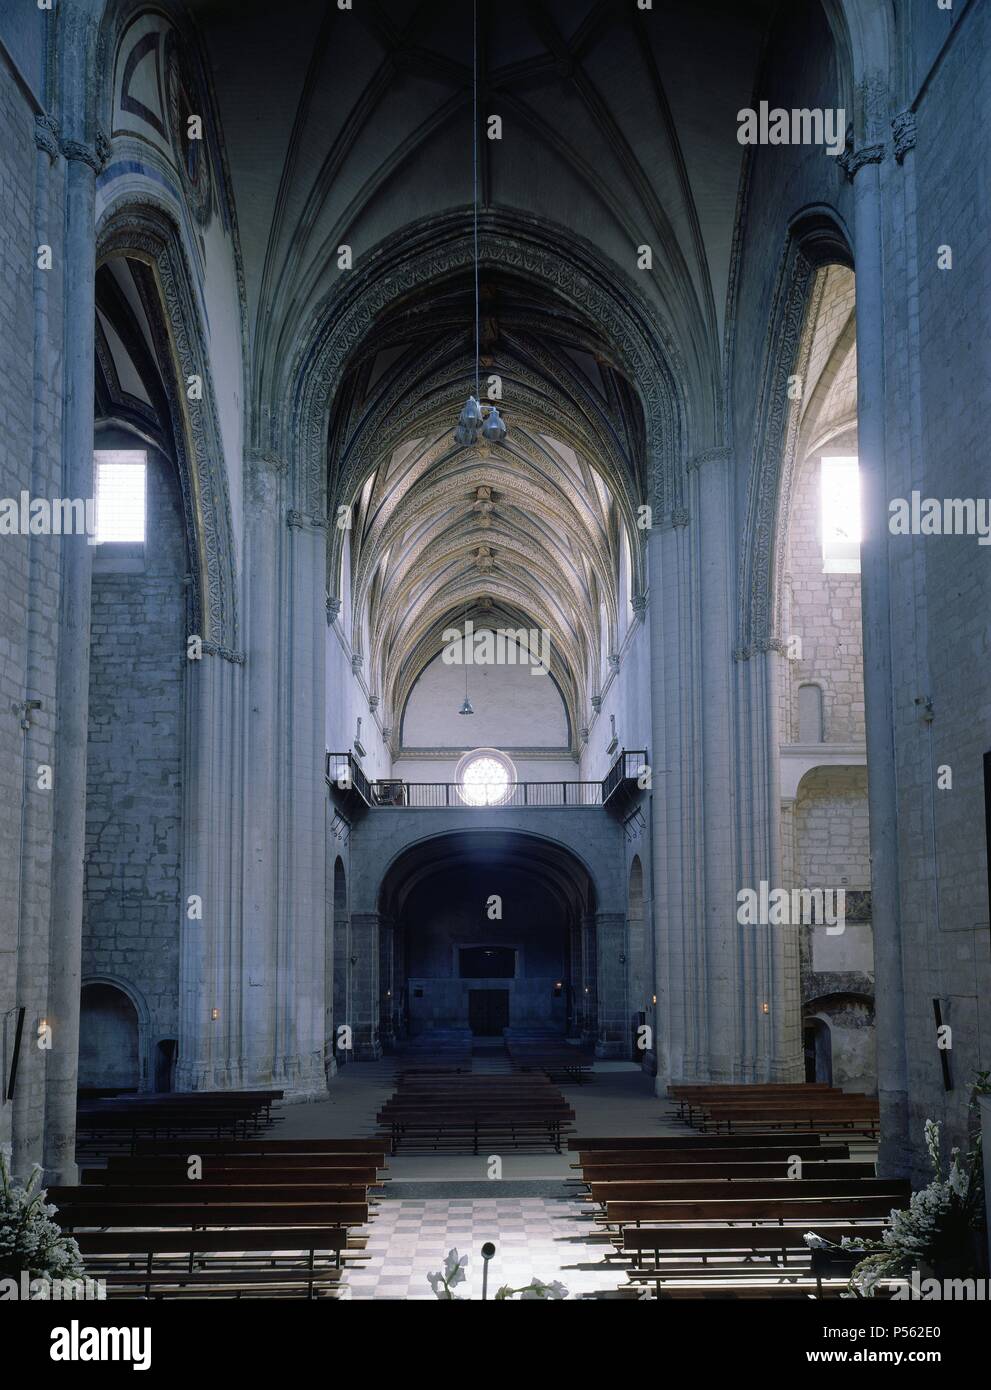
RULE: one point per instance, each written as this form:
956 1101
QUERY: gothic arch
435 249
815 239
145 232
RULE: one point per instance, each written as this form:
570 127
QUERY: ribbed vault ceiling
527 533
618 124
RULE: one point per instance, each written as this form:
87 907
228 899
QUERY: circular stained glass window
485 777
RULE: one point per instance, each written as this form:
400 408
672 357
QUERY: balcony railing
344 772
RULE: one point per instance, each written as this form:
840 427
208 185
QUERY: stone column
23 1123
263 615
388 1001
365 986
678 950
894 1153
83 160
301 1039
613 1030
588 1009
712 511
210 947
575 978
339 968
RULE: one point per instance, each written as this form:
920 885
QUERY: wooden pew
661 1157
732 1172
369 1148
208 1193
774 1139
725 1255
77 1215
755 1210
742 1188
228 1262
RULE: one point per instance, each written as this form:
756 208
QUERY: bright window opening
840 498
120 495
486 777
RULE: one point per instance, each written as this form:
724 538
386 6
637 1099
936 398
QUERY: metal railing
626 768
345 773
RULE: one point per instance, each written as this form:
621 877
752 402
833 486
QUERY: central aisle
534 1236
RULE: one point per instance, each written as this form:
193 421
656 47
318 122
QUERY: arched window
810 724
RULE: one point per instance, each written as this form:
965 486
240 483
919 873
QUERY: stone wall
134 775
31 194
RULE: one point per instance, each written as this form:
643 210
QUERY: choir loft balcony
628 776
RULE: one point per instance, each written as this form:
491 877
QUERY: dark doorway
165 1056
818 1051
488 1012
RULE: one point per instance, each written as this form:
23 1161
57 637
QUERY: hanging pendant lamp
466 707
477 418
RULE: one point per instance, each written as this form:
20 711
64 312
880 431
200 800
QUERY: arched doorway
109 1055
486 934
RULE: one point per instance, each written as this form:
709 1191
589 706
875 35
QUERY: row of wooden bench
266 1217
557 1061
816 1107
461 1111
708 1212
117 1123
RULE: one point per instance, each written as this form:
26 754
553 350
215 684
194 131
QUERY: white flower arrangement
30 1241
936 1228
444 1281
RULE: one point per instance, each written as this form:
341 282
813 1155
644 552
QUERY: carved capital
680 516
46 135
296 520
225 653
266 460
95 155
851 161
903 132
356 662
639 603
333 609
720 455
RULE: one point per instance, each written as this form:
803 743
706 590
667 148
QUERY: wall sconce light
765 1008
214 1014
653 998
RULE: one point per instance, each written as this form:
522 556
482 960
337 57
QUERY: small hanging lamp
466 707
476 417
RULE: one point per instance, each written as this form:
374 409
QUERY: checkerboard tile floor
534 1236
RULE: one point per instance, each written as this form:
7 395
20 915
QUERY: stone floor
435 1202
534 1236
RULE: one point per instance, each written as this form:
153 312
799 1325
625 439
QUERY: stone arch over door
112 1027
580 992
